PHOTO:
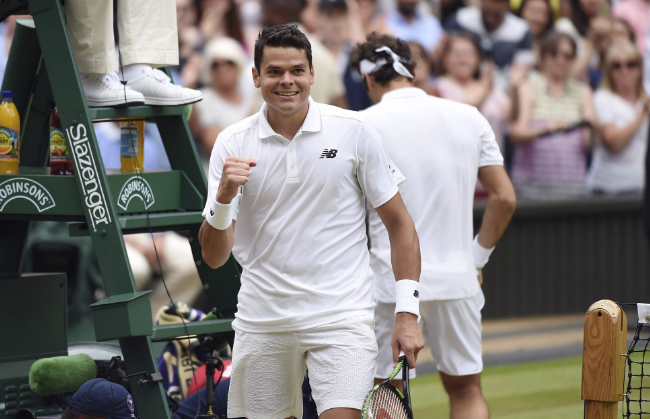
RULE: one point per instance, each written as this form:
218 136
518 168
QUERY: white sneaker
158 89
106 90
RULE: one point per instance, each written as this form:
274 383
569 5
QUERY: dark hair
284 36
579 17
549 15
73 414
454 36
327 6
366 51
551 41
232 20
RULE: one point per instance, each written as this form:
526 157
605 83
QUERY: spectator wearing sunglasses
622 110
550 151
224 103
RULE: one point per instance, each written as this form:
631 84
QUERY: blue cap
100 397
7 94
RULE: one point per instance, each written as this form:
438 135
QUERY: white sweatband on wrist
219 215
481 254
407 297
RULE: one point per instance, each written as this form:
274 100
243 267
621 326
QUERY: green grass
536 390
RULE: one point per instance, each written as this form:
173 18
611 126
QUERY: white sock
132 71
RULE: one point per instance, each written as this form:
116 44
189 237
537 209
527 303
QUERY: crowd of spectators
561 82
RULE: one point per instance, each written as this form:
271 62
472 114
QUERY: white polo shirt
439 145
300 235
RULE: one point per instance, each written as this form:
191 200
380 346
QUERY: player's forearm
216 245
405 251
497 216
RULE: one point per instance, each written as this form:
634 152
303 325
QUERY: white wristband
219 215
481 254
407 297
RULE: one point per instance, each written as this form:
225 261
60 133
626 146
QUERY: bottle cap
7 94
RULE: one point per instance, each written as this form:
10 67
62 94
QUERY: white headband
367 66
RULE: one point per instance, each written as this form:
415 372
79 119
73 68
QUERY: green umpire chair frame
41 71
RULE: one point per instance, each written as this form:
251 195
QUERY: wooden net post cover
603 359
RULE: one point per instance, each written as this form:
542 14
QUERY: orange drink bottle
9 135
132 145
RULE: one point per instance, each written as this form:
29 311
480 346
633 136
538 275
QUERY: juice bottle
9 134
132 145
60 163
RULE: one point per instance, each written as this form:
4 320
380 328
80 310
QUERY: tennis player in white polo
293 179
441 147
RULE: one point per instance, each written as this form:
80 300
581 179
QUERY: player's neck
287 124
394 84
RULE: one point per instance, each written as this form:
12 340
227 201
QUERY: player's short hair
283 36
366 51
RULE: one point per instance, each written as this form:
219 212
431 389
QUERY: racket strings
386 404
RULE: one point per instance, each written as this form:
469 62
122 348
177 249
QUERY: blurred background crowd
560 81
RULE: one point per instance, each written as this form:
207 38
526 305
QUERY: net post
603 359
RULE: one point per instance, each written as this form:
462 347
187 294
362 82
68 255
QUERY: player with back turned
441 147
286 195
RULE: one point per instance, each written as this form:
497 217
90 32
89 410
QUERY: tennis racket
385 401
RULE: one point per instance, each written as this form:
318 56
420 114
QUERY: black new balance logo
328 153
211 213
416 294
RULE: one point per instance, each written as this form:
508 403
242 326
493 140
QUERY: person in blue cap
100 399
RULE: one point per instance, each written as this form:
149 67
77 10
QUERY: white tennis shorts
268 369
452 329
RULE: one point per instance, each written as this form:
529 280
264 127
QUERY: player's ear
256 77
311 72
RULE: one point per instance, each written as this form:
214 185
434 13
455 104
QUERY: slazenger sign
95 198
27 189
135 187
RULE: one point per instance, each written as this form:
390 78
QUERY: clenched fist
234 174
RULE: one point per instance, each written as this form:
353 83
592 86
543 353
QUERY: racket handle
405 385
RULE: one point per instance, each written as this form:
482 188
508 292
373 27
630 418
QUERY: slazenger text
95 199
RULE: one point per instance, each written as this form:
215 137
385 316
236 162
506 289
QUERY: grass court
534 390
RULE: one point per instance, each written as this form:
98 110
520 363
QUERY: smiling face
462 59
625 71
284 78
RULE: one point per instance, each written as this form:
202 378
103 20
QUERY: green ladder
41 72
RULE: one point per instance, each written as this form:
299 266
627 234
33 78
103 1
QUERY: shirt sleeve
525 54
490 152
220 152
377 175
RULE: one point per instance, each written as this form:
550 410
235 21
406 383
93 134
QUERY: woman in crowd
464 79
549 157
223 103
622 110
590 25
539 15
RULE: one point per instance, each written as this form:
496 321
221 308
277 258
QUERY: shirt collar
405 92
312 122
